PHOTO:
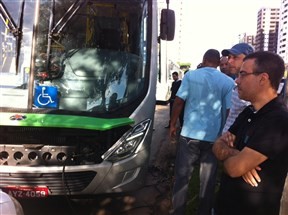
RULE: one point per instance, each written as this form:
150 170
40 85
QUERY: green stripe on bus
62 121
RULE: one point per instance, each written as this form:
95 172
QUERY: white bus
77 95
165 79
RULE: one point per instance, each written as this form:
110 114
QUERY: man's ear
204 61
264 77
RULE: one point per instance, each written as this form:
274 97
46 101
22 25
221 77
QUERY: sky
215 24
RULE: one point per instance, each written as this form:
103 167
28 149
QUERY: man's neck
263 100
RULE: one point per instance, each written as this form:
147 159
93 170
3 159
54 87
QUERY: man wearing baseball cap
238 49
235 59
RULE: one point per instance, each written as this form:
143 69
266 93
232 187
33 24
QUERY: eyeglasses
244 73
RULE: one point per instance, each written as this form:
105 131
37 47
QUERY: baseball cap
240 48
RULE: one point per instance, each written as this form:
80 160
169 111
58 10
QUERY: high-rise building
267 29
282 48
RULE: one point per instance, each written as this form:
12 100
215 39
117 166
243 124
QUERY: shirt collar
274 103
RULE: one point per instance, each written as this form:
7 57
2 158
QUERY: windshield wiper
12 27
7 19
67 17
55 32
19 36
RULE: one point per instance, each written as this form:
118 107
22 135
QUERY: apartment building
282 48
267 29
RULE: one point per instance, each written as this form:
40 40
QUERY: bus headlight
128 143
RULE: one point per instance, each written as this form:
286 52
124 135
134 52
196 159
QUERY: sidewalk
164 153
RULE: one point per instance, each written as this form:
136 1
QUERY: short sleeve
184 87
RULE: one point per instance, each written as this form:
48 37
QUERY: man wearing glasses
254 150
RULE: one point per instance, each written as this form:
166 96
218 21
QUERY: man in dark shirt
175 86
254 150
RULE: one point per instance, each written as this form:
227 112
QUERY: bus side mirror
167 24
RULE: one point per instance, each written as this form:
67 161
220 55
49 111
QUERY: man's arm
236 163
243 162
223 148
176 110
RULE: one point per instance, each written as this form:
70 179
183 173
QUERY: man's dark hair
270 63
212 56
175 73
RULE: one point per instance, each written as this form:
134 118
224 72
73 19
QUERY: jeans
189 153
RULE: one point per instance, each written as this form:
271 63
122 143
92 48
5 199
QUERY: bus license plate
27 192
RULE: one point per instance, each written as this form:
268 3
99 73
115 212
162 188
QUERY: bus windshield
86 56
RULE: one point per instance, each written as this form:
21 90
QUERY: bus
165 79
77 95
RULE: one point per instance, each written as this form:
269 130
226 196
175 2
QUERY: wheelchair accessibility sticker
46 97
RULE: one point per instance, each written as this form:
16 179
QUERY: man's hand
172 133
229 138
252 177
223 147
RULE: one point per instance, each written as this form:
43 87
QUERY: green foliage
184 64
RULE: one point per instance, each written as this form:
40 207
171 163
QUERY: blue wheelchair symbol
46 96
